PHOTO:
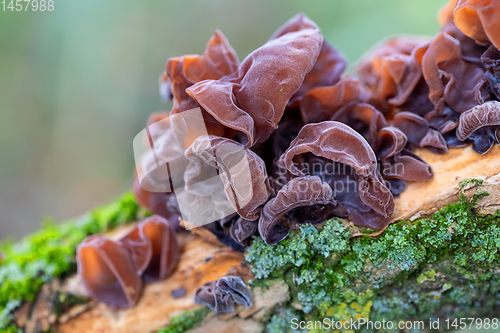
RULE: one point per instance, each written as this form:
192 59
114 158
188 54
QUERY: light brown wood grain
424 198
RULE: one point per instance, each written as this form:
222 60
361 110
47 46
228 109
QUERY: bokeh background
77 84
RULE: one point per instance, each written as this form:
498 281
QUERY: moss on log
442 266
439 259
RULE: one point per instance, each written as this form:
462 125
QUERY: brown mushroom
478 19
154 248
107 271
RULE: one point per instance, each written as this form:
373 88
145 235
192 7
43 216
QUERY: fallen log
461 171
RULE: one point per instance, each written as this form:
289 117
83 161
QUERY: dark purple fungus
242 230
398 162
237 289
178 292
487 114
299 192
419 132
480 124
243 173
340 143
329 66
253 99
209 295
221 295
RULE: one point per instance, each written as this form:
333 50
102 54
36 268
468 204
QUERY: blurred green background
77 84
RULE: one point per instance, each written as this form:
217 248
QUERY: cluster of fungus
322 143
113 271
319 143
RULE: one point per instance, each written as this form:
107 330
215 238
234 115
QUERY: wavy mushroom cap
482 125
478 19
221 295
340 143
154 235
299 192
398 162
241 230
329 66
391 70
211 296
239 291
419 132
322 103
108 272
253 99
242 172
218 60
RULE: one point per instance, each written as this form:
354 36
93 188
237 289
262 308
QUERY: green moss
482 251
186 321
6 314
478 195
470 182
63 302
13 329
50 252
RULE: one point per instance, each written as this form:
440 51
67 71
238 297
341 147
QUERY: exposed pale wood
424 198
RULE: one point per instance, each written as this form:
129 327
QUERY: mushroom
478 19
107 271
112 271
154 248
221 295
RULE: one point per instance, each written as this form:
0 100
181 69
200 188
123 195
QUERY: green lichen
297 250
50 252
331 275
186 321
482 251
280 321
454 293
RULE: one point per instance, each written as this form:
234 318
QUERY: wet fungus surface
108 273
221 295
113 272
294 140
320 143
